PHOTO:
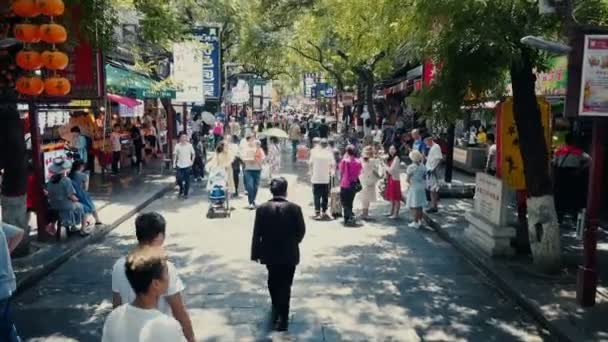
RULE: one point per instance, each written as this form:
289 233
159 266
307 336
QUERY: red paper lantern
55 60
57 86
27 33
25 8
32 86
52 8
53 33
28 60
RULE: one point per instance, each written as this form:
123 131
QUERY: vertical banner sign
594 85
509 162
309 83
188 72
209 36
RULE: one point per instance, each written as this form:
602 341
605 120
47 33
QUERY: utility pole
587 277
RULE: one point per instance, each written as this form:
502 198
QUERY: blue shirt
8 283
421 147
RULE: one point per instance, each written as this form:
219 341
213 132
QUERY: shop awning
135 85
127 101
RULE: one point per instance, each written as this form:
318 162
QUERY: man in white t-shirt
322 167
139 320
433 160
183 159
150 231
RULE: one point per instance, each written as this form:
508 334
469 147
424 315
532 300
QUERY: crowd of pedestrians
358 166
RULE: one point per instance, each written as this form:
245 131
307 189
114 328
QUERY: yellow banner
510 163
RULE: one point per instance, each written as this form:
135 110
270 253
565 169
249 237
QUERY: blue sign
210 38
330 92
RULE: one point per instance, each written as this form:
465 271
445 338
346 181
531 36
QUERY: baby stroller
219 203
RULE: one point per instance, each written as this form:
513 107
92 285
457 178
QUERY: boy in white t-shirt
150 231
140 321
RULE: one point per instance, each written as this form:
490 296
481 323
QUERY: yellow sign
80 103
510 163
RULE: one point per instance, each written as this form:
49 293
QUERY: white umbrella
208 118
275 132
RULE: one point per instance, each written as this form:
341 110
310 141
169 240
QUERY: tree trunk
360 100
543 228
14 180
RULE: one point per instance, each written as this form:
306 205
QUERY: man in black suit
278 230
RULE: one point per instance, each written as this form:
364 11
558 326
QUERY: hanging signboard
188 72
310 80
209 36
129 112
554 81
594 82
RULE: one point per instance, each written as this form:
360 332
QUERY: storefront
134 99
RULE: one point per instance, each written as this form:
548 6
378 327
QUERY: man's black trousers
321 197
280 278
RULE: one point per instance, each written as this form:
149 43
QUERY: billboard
209 36
594 79
310 80
188 72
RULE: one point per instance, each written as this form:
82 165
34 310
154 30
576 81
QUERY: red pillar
586 285
40 205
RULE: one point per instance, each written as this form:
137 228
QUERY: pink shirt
350 168
218 129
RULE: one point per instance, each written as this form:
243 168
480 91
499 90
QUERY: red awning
127 101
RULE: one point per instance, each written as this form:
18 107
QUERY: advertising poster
210 38
554 81
594 85
188 72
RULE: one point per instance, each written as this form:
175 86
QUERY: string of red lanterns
31 60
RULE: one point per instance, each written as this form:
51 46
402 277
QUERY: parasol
208 118
275 132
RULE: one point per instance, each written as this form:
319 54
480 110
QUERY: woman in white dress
416 193
368 178
274 157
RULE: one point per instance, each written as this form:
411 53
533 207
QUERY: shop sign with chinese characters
594 83
209 37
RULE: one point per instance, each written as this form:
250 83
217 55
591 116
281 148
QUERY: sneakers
317 217
251 206
326 216
415 224
432 211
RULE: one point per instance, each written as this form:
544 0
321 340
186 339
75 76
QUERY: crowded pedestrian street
303 170
381 281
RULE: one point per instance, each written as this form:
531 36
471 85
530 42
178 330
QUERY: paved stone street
379 282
